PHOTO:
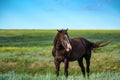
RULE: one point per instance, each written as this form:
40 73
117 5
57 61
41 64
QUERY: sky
59 14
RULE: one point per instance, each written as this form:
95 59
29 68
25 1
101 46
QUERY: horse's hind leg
80 62
87 57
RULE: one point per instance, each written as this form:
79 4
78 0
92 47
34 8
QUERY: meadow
26 55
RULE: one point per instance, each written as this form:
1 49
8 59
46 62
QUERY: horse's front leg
57 65
66 64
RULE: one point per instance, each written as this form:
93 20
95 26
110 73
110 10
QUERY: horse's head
63 40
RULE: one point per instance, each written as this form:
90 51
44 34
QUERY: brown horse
66 49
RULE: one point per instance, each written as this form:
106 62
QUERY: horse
66 50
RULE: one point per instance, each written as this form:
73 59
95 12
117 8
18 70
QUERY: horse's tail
100 44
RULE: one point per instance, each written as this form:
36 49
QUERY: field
26 55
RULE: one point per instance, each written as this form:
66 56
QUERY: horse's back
86 43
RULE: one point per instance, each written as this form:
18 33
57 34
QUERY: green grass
29 38
93 76
28 52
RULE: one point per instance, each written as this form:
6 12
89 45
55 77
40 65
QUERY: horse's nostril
67 50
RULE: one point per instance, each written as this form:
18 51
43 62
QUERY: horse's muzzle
69 47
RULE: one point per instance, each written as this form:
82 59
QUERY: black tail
100 44
93 46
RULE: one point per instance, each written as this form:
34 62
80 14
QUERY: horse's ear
58 30
67 29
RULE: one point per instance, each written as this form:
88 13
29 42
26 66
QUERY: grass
26 55
98 76
29 38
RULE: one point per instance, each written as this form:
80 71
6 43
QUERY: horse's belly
76 54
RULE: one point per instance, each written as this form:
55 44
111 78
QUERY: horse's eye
65 33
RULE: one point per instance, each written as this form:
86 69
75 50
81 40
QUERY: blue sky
58 14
